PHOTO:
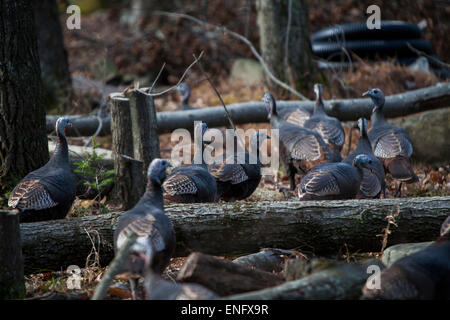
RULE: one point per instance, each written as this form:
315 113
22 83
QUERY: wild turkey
48 192
192 183
422 275
156 237
300 149
390 144
297 116
330 181
329 128
236 181
372 184
185 91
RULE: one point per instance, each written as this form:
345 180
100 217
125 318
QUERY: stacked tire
390 41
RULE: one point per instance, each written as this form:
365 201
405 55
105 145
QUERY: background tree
23 140
55 74
292 61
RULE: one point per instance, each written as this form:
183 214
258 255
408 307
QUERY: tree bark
12 282
55 74
397 105
129 183
341 282
285 45
143 127
230 229
268 259
224 277
159 289
23 141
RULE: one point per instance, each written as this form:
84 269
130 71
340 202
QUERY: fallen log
224 277
231 229
157 288
268 259
399 251
344 281
298 268
397 105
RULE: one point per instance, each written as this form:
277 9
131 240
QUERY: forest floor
110 54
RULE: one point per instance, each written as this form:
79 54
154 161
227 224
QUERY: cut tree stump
144 127
224 277
129 182
231 229
397 105
344 281
12 282
135 143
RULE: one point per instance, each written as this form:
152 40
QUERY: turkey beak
367 93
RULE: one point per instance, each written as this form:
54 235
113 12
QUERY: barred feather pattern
370 185
233 173
298 117
319 182
145 230
392 145
306 149
178 184
330 133
31 194
445 228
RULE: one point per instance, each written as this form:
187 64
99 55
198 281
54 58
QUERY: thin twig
114 268
93 250
286 42
147 92
386 231
221 100
432 60
157 77
223 30
97 132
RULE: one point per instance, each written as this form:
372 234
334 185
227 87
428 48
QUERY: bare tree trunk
12 283
140 11
284 42
56 79
23 140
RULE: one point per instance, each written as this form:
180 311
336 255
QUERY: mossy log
344 281
223 276
231 229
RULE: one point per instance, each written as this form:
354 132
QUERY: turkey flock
309 145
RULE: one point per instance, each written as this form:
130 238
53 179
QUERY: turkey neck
364 142
186 97
153 194
275 122
319 107
377 118
61 154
